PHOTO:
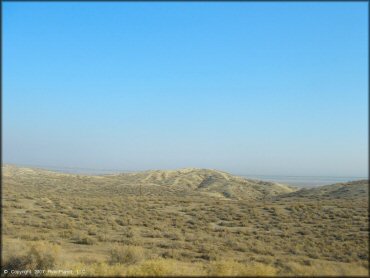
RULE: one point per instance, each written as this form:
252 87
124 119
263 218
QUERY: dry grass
107 228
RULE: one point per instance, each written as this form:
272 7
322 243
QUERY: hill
204 181
348 190
152 183
182 182
181 222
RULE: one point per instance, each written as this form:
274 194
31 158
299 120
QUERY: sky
249 88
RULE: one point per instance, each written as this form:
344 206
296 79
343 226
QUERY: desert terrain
180 222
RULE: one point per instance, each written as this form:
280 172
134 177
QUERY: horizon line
130 171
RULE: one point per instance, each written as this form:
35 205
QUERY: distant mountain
347 190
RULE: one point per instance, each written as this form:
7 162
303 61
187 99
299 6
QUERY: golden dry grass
106 227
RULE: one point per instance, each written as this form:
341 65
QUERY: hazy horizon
262 88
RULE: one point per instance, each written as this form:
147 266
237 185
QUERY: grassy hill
187 221
181 182
341 191
204 181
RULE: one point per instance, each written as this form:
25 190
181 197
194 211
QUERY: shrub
164 267
40 255
326 268
126 255
92 232
81 238
7 227
87 240
232 268
43 255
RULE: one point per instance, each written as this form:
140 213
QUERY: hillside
181 222
182 182
151 183
205 181
348 190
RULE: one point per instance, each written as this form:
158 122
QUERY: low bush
126 255
81 238
165 267
232 268
39 255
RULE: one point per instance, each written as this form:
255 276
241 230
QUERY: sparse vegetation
102 225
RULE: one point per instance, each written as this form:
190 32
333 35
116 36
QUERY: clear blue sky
249 88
